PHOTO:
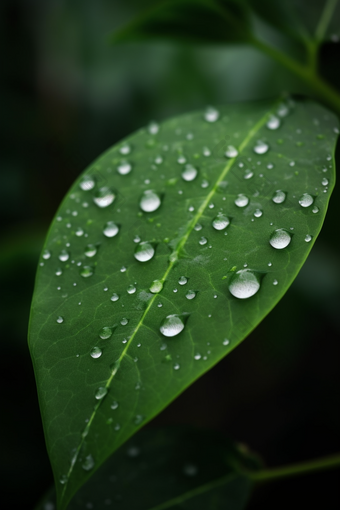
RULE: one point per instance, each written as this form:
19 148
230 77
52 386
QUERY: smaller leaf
173 468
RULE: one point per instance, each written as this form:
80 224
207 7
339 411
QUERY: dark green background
66 96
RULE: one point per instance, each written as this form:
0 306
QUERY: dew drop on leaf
177 366
226 341
124 321
273 122
211 114
183 280
149 201
172 325
110 229
46 254
104 197
191 294
261 147
156 286
114 405
64 256
114 297
189 173
144 251
131 289
125 149
241 200
279 197
60 319
58 272
258 213
280 239
220 222
324 182
153 128
308 238
88 463
306 200
86 271
96 352
90 250
203 241
124 168
100 392
244 284
87 183
105 333
231 152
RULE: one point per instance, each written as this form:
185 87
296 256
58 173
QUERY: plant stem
325 19
330 462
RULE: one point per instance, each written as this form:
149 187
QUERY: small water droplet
189 173
226 341
114 297
153 128
105 333
308 238
88 463
64 256
63 479
191 294
183 280
204 184
131 289
96 352
197 356
283 110
172 325
114 405
124 168
144 251
125 149
86 271
248 175
261 147
280 239
110 229
211 114
156 286
104 197
231 152
79 232
220 222
181 159
149 201
60 319
124 321
87 183
324 182
315 209
198 227
206 152
275 282
58 272
258 213
241 200
273 122
306 200
244 284
46 254
279 197
100 392
203 241
90 250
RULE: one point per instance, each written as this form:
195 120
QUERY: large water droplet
105 333
96 352
306 200
172 325
131 289
191 294
124 168
261 147
90 250
203 241
183 280
64 256
258 213
86 271
149 201
156 286
189 173
110 229
144 251
46 254
280 239
244 284
273 122
60 319
241 200
220 222
88 463
104 197
231 152
211 114
100 392
124 321
114 297
87 183
279 197
308 238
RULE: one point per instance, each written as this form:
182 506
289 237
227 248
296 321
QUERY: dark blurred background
66 96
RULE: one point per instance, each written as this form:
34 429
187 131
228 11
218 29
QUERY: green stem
323 89
330 462
325 19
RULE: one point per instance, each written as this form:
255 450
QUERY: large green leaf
169 468
226 205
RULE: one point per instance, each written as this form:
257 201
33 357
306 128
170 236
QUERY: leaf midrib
174 257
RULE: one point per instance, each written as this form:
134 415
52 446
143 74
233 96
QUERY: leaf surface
162 258
165 469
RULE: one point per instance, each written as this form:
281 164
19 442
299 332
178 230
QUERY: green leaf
202 21
150 260
168 469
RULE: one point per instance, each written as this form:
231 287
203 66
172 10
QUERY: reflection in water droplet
258 213
149 201
279 197
241 200
90 250
96 352
306 200
273 122
105 333
280 239
86 271
231 152
131 289
172 325
220 222
87 183
88 463
211 114
261 147
308 238
156 286
183 280
124 321
100 392
203 241
244 284
110 229
114 297
104 197
46 254
191 294
189 173
60 319
144 251
64 256
124 168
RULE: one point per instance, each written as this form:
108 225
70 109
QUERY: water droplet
275 282
198 227
104 197
63 479
306 200
226 341
86 271
203 241
211 114
60 319
131 289
110 229
181 159
283 110
241 200
153 128
46 254
125 149
231 152
96 352
206 152
191 294
138 419
261 147
197 356
248 175
315 209
189 173
58 272
279 197
280 239
273 122
105 333
90 250
308 238
156 286
176 366
64 256
100 392
324 182
220 222
114 405
258 213
172 325
79 232
244 284
114 297
183 280
150 201
144 251
124 168
124 321
204 184
87 183
88 463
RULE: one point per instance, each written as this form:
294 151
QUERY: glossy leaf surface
164 255
168 469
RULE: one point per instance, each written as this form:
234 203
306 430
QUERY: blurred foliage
67 95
